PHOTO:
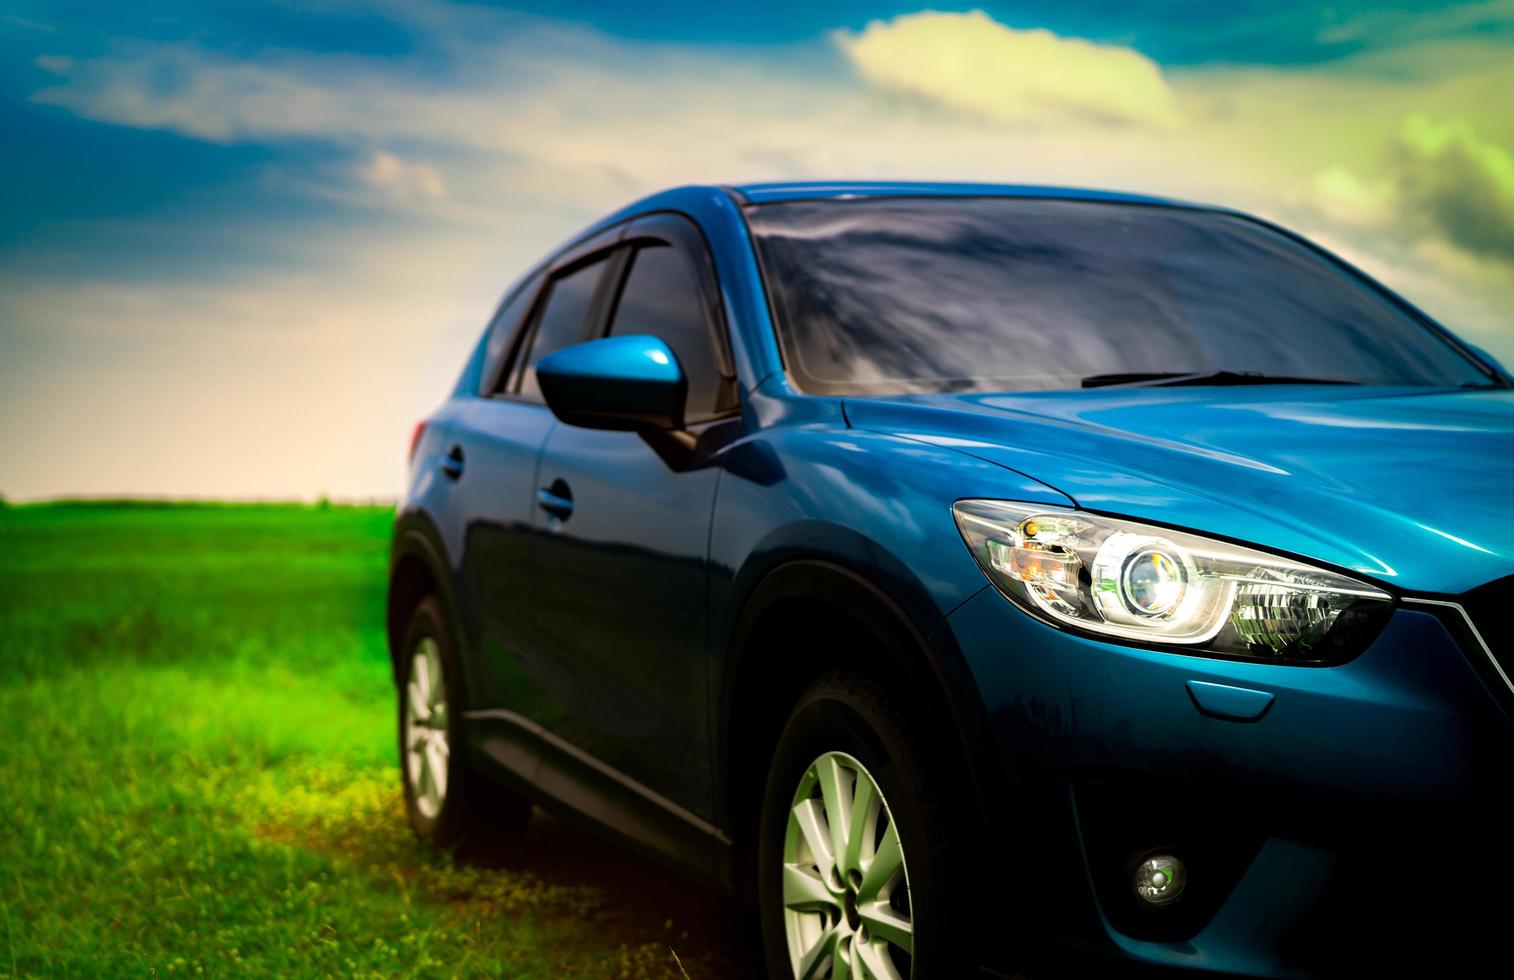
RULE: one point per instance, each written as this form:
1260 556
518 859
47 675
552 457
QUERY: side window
563 320
661 297
502 334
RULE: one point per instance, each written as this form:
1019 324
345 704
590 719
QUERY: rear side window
661 297
501 333
563 320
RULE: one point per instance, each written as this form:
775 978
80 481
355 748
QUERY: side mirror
630 383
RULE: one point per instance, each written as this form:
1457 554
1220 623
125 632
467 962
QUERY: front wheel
447 802
855 854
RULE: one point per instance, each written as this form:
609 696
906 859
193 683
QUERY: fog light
1160 880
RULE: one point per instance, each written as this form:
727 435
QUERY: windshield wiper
1169 379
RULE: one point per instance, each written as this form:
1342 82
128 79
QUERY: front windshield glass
883 296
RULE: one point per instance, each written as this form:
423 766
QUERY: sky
244 247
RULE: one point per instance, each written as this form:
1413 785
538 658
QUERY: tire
845 728
468 809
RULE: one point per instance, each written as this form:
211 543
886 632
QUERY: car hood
1414 487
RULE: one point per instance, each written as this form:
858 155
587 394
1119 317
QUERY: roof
705 199
840 190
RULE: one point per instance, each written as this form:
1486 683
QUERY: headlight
1151 584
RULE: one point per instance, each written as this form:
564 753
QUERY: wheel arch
417 569
838 601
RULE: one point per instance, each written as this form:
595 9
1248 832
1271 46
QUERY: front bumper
1361 816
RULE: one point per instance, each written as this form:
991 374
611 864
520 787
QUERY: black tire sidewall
845 713
447 826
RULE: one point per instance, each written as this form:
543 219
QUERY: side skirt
570 781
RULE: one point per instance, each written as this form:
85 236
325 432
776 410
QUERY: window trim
681 233
617 243
614 260
508 378
491 377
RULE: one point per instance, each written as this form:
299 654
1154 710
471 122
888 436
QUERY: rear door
621 576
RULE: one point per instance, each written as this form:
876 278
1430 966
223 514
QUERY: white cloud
399 179
1456 184
972 63
30 25
1436 177
1436 211
1401 25
570 111
210 97
1349 200
303 384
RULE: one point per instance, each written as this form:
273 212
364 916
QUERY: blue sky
270 231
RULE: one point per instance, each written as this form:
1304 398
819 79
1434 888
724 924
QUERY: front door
623 531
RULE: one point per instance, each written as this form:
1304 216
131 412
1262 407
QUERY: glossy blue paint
1408 487
844 189
618 651
1225 701
624 383
615 625
482 517
1403 743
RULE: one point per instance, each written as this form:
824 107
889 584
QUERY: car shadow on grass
639 902
557 897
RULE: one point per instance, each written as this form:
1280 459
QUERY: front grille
1491 607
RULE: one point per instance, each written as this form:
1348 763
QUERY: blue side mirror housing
626 383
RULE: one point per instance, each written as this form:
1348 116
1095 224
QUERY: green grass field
199 778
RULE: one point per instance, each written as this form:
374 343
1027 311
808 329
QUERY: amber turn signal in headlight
1133 581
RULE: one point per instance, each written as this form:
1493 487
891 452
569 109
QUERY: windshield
888 296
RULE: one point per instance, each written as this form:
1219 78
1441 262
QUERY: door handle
452 463
556 500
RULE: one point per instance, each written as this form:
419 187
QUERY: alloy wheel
846 899
426 747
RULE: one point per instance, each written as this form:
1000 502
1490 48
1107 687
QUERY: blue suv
976 580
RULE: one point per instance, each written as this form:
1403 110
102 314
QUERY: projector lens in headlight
1135 581
1153 582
